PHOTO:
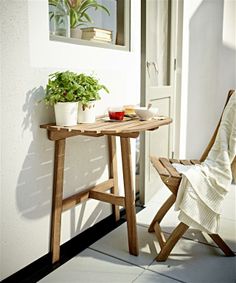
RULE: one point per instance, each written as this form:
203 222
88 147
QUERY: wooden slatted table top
128 128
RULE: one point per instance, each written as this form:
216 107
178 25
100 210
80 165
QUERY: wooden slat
131 126
173 172
159 234
57 199
172 183
185 162
78 127
159 167
58 135
120 134
148 125
83 127
162 211
222 245
72 201
172 160
171 241
195 161
113 172
75 199
47 126
129 196
104 186
108 126
118 125
110 198
209 146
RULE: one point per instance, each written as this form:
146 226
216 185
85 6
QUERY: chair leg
162 212
171 241
222 245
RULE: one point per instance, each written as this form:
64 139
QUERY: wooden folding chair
171 178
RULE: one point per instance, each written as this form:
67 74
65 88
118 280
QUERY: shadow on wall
211 74
85 163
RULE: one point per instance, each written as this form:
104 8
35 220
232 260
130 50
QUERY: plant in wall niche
78 11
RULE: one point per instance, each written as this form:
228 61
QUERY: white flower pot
87 115
75 32
66 113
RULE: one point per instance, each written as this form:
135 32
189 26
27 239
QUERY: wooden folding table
125 130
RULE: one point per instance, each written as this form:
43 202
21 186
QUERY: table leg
59 156
129 196
113 172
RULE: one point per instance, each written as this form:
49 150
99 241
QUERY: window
104 24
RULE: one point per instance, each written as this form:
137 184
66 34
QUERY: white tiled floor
192 259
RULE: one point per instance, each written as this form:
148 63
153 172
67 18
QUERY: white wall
27 57
209 69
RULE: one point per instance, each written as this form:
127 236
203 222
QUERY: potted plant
62 92
88 94
78 13
73 97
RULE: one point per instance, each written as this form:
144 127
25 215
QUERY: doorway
161 45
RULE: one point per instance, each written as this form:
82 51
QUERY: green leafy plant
72 87
62 87
90 88
78 10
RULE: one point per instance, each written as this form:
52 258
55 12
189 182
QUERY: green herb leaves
69 87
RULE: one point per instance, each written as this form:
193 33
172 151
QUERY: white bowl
146 114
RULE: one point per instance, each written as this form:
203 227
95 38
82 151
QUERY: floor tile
91 266
194 262
227 224
153 277
116 244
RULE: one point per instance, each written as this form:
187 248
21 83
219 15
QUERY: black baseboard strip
43 266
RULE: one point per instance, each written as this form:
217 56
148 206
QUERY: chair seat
169 175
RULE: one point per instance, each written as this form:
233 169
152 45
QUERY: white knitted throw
203 187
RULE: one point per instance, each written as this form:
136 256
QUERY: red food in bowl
116 115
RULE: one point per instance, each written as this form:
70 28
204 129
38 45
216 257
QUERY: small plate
133 116
107 119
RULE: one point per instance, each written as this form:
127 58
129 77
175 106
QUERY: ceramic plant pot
66 113
76 33
87 115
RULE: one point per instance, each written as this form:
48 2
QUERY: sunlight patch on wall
229 24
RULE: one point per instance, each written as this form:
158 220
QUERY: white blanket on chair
203 187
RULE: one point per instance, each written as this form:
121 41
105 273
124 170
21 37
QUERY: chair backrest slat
209 146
